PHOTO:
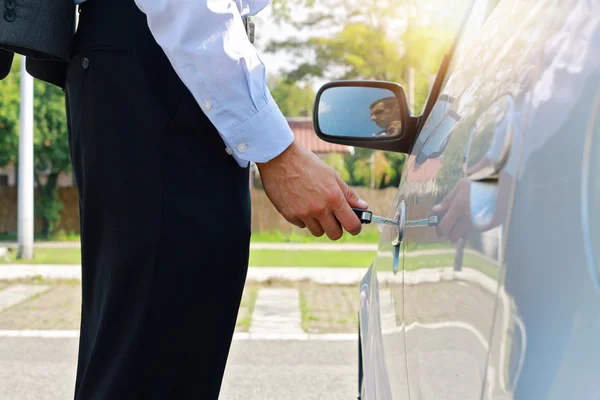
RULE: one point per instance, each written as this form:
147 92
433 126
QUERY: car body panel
383 315
548 317
450 290
508 308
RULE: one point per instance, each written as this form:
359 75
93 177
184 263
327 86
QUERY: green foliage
369 40
368 234
48 205
293 99
387 168
50 136
51 148
9 116
336 161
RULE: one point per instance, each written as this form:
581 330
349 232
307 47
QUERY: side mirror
368 114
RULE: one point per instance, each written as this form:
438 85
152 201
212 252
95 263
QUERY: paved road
43 369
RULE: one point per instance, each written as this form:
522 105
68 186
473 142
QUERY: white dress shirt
207 45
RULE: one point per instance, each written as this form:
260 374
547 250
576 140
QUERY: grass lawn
59 237
283 258
49 256
368 234
258 258
447 260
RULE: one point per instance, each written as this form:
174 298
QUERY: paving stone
58 308
276 310
17 293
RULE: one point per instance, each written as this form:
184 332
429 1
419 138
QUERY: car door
457 197
545 343
384 357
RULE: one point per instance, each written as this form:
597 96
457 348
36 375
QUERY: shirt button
207 105
228 151
10 16
241 147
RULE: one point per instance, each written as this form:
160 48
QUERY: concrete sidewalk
322 275
325 275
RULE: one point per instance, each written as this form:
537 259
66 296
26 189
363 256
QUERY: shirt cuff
261 137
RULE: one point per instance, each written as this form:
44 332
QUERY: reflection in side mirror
360 112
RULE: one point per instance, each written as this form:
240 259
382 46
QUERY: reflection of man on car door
386 114
477 205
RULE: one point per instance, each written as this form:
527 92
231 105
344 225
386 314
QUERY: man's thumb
351 196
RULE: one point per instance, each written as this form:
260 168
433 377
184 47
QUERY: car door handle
398 238
490 141
490 172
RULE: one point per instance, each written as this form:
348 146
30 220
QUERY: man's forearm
207 44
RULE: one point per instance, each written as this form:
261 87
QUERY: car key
432 220
367 217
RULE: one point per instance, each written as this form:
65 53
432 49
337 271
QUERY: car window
480 12
440 120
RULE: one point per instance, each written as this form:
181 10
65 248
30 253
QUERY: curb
321 275
324 275
238 336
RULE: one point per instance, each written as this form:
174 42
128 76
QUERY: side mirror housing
368 114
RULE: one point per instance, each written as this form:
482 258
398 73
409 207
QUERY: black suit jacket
41 30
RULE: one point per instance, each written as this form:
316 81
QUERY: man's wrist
281 157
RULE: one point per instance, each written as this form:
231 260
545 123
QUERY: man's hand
309 193
394 128
456 222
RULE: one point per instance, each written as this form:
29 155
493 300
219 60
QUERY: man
167 105
386 114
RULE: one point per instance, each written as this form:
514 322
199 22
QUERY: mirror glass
364 112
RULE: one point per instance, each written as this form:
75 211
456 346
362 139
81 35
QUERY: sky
267 31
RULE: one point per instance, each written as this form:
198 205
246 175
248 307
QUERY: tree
366 40
292 98
387 168
374 171
9 117
51 148
336 161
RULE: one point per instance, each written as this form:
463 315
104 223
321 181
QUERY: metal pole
372 165
411 89
26 181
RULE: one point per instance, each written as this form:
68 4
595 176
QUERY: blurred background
304 44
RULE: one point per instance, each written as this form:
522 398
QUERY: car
487 285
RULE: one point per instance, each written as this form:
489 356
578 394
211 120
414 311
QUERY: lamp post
26 178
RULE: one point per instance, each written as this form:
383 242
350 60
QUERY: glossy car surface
501 300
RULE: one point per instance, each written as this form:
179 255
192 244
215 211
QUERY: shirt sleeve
207 45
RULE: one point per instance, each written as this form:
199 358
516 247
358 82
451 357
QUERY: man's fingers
349 220
350 195
447 222
332 227
297 222
459 230
344 214
314 227
445 204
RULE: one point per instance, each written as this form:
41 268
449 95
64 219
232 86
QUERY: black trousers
165 218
